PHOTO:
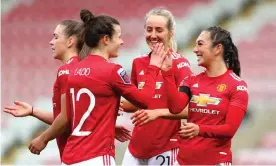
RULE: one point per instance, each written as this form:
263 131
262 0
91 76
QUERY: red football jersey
209 105
95 87
59 89
159 135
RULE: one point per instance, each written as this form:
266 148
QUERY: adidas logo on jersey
235 77
175 55
142 72
69 61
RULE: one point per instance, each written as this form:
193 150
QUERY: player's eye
159 30
55 36
149 29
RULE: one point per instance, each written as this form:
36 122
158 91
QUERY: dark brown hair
95 27
230 51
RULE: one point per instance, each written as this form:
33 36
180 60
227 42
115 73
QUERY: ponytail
233 62
230 53
94 28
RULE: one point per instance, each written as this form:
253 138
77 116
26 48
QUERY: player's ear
218 49
105 39
71 41
171 33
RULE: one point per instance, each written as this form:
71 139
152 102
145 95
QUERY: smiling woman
218 103
155 143
159 27
97 81
210 44
66 44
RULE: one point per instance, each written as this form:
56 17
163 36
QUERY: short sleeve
62 79
69 108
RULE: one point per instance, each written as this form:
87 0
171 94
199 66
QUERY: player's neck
68 56
215 69
100 52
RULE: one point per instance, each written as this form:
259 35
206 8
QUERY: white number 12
76 131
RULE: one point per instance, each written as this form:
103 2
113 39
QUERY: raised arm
177 100
140 98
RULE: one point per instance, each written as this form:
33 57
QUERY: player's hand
142 117
122 134
37 145
188 130
168 62
21 109
158 55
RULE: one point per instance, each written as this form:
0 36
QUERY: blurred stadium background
28 69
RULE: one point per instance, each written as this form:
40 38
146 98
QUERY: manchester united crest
221 87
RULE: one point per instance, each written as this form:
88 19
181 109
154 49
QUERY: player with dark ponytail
93 94
217 99
230 52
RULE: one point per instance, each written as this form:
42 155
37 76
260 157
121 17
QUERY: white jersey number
76 131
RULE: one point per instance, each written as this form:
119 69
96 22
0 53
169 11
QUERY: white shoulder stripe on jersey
175 55
142 55
235 77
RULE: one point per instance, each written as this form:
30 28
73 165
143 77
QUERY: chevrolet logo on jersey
204 100
158 85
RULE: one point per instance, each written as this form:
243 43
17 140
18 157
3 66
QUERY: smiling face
204 49
115 42
156 31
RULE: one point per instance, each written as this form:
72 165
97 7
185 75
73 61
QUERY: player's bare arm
58 126
23 109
